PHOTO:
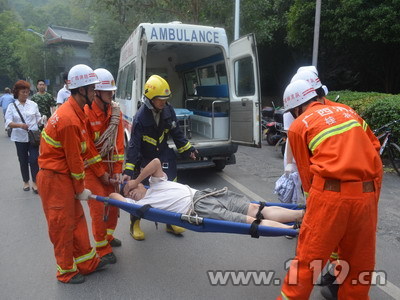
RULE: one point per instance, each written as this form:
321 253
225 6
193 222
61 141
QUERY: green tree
10 31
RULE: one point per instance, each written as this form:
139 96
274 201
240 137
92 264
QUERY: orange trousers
102 229
345 219
67 225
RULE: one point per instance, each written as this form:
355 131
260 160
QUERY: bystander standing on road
64 93
5 100
22 116
44 100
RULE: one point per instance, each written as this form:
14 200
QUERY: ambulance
215 86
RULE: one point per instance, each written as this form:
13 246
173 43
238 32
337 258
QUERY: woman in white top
27 154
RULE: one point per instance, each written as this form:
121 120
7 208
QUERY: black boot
330 292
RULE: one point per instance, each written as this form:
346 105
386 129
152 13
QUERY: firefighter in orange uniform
61 179
312 78
106 123
342 173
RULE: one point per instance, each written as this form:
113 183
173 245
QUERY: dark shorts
229 206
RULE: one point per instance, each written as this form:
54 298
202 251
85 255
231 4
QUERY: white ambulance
215 86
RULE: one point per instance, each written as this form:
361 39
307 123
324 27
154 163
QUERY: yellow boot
175 229
136 231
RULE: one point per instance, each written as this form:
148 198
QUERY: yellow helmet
156 86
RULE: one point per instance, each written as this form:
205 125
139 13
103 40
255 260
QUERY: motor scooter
273 128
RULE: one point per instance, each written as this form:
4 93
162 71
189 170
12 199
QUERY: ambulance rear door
244 90
141 66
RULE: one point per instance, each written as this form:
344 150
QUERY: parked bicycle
389 148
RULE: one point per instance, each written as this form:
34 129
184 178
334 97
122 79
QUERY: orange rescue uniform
102 228
342 172
64 146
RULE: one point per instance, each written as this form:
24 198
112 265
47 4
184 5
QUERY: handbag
33 135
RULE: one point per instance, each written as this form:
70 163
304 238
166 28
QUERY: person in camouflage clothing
44 100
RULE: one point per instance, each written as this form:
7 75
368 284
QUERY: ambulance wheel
219 164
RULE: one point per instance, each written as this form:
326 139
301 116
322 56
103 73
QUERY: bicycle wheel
394 155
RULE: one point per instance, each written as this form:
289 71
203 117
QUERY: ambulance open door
244 89
141 64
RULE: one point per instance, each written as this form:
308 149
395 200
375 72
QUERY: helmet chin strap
88 102
105 104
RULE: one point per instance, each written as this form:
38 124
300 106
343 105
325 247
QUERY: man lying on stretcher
215 204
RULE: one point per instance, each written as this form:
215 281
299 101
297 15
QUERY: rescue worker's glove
84 196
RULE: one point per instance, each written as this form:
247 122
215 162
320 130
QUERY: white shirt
63 95
167 195
30 113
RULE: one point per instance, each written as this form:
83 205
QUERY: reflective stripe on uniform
184 148
118 157
61 271
78 176
335 255
83 147
129 166
365 125
284 296
331 131
161 138
94 160
96 135
110 231
50 141
86 257
101 243
150 140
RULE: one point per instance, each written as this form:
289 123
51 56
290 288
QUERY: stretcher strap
141 211
254 229
259 215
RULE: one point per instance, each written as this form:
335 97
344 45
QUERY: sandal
26 188
35 190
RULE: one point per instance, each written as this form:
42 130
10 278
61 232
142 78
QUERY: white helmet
308 76
308 68
81 75
107 82
297 93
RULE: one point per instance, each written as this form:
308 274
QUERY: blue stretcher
197 223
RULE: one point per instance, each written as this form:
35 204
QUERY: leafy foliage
376 108
358 49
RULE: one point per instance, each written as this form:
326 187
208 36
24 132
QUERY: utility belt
347 187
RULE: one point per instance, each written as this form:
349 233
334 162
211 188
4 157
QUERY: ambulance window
130 77
221 71
190 83
207 76
244 77
121 84
125 81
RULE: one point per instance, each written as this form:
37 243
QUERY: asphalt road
164 266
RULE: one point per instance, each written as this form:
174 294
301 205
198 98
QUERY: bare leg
276 213
117 196
269 223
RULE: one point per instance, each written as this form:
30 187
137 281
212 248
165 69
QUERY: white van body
215 86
